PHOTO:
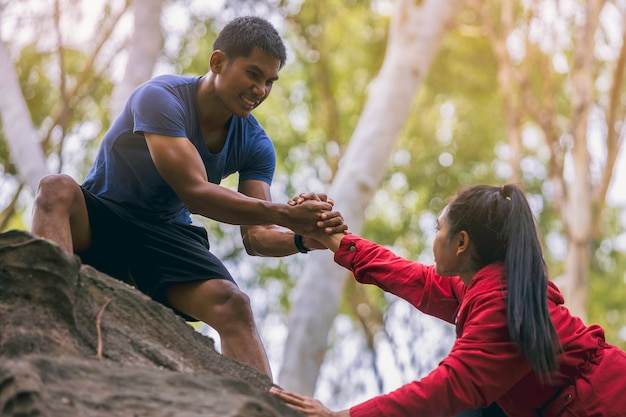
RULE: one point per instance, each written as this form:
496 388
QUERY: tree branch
613 137
98 328
57 111
9 210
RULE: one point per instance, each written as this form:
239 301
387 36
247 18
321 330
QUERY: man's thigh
112 237
172 255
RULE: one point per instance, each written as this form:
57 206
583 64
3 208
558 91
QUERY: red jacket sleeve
412 281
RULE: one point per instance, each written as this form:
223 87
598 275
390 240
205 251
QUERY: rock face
77 343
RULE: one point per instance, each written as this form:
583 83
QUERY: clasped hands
330 223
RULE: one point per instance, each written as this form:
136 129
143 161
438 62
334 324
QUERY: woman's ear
463 242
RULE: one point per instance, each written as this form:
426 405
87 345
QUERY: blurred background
389 106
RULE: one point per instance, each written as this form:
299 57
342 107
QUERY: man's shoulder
170 84
163 91
172 80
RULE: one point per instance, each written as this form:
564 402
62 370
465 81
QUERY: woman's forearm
332 242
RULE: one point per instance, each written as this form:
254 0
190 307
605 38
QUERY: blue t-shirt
124 173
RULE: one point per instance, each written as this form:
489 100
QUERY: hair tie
503 193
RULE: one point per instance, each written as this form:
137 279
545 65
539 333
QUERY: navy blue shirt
124 172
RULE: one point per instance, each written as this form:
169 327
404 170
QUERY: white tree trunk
145 48
578 215
415 36
21 135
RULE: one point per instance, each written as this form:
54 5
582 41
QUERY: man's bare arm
178 161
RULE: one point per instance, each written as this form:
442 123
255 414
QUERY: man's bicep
177 160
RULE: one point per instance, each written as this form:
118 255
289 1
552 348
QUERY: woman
517 345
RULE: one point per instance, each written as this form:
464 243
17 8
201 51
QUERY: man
164 157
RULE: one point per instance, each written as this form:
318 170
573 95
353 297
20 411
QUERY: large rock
151 363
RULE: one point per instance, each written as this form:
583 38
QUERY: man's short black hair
242 34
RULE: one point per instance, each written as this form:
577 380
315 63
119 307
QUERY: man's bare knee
234 306
56 192
219 303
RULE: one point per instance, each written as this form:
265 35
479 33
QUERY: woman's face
450 252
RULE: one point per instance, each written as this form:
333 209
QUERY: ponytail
530 324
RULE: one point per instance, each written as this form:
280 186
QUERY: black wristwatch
297 239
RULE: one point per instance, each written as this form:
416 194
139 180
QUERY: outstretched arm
179 163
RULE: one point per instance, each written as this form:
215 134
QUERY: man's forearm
232 207
269 241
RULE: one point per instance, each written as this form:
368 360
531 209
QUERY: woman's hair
242 34
502 228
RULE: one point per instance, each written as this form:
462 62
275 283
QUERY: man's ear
463 242
217 61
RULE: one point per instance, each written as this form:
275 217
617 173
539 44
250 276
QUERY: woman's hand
306 405
310 196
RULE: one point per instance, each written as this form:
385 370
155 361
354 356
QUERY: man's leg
221 305
60 213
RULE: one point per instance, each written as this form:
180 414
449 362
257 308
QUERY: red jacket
483 366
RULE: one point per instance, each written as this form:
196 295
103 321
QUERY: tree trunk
416 31
21 135
145 48
578 218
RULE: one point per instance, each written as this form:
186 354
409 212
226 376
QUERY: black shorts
147 253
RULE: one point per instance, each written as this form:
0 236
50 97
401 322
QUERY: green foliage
607 283
457 114
195 47
44 97
315 106
79 116
40 92
5 161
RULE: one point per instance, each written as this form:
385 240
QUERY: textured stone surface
152 362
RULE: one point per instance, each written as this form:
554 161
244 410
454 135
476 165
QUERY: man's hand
331 222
